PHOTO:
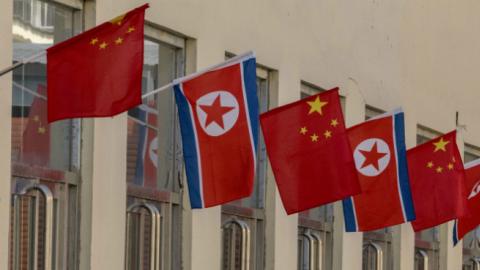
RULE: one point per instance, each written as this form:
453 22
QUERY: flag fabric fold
472 184
380 158
438 182
218 112
97 73
309 151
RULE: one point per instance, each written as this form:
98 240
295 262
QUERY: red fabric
97 73
36 137
310 173
438 189
472 184
380 204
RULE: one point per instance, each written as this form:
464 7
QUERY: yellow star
316 105
103 45
130 29
119 41
430 164
118 20
439 169
440 145
334 123
41 130
303 130
94 41
450 166
36 118
327 134
314 137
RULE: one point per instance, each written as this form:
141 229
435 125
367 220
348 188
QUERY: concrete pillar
403 235
347 247
5 126
103 172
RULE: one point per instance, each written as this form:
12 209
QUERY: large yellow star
440 145
316 106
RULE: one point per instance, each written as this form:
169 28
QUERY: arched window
310 252
236 245
372 256
421 260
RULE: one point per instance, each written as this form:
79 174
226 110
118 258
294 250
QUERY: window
427 252
377 245
44 212
315 226
247 216
154 160
372 255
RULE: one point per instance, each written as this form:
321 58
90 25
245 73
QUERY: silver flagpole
22 62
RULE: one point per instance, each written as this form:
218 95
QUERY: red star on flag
372 157
215 112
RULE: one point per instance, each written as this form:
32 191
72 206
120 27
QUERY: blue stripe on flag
404 180
455 233
142 138
250 83
189 148
349 215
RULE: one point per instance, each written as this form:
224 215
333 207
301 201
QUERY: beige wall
5 127
419 55
422 55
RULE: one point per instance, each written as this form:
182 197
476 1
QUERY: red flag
36 137
99 72
309 151
380 157
438 182
472 183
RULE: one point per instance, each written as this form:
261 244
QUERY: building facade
110 193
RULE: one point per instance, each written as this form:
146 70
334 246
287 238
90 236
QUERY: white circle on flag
475 191
217 112
372 156
152 151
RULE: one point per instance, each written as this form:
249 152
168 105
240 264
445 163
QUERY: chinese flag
472 183
99 72
36 137
309 152
438 182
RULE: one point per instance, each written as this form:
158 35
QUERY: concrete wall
422 55
5 127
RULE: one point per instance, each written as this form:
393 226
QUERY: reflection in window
36 26
153 153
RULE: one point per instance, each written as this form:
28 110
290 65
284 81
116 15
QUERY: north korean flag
147 156
465 224
380 160
218 112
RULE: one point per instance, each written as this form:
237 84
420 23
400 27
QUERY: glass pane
36 26
257 199
154 152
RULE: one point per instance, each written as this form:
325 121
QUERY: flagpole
23 62
178 80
